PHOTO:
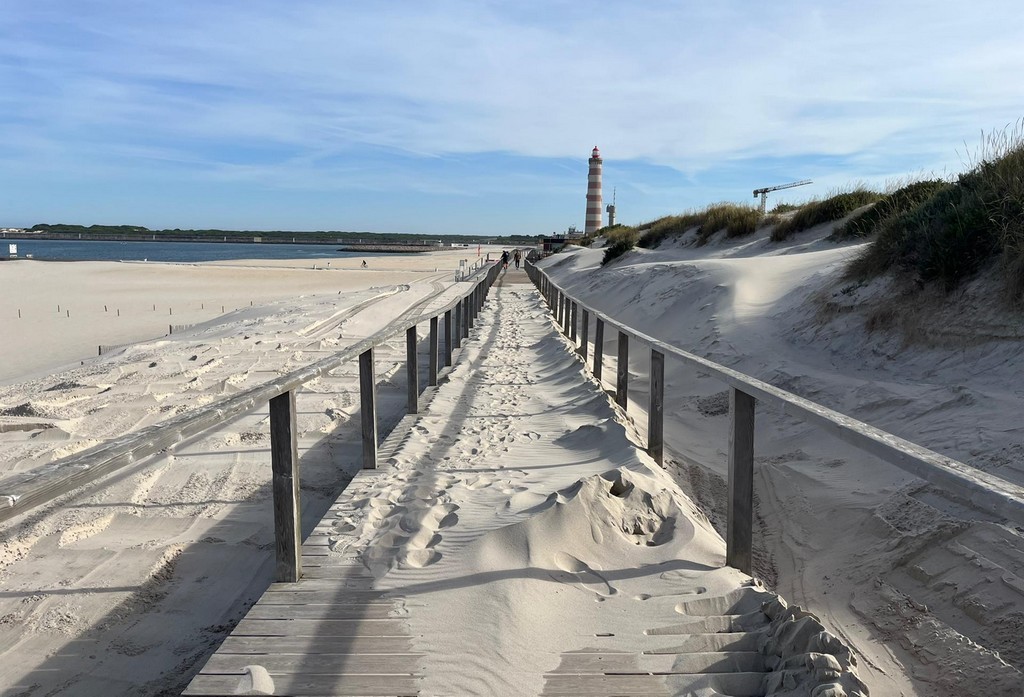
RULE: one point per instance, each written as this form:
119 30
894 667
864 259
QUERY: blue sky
477 117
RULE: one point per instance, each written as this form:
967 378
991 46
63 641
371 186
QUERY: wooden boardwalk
341 630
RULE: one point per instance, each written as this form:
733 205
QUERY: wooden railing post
368 408
465 318
449 332
598 348
284 464
458 324
412 370
559 307
573 321
622 372
655 414
739 533
584 331
432 353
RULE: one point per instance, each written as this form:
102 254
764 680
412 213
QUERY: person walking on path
517 257
504 260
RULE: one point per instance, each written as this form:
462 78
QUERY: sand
927 589
125 588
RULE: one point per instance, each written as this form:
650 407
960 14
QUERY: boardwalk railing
18 495
988 492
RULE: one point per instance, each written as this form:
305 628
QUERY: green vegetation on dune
834 207
621 239
737 220
963 227
889 206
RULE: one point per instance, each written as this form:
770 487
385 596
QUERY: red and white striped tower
594 210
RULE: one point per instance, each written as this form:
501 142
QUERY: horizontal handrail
989 492
45 483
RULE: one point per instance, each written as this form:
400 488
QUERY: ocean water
75 250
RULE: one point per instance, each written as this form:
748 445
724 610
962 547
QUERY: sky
478 116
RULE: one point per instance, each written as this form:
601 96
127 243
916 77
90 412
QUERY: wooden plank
253 646
584 333
316 663
600 685
412 371
655 413
465 318
321 628
598 348
448 332
368 408
432 354
739 544
622 372
573 321
294 684
327 611
319 596
284 465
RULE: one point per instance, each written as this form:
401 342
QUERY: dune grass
963 227
621 239
737 221
893 204
835 207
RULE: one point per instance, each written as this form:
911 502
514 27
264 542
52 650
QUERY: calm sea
74 250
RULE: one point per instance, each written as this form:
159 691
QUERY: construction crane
763 193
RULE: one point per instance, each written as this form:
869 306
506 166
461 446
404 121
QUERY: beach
128 586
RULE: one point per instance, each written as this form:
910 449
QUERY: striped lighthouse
594 210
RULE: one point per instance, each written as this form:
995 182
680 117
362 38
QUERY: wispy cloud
379 96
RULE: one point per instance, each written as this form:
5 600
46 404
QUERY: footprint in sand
479 482
584 575
418 558
531 435
692 591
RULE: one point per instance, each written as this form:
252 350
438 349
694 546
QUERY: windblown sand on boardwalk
927 589
123 587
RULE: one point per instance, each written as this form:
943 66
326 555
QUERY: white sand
926 588
122 588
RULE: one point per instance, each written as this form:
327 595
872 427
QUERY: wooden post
739 532
559 307
284 465
448 332
573 322
368 408
584 331
656 415
622 372
412 370
432 349
598 348
458 324
465 318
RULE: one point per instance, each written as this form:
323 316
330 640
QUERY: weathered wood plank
598 348
457 339
573 321
655 413
324 628
368 408
327 611
739 532
284 465
315 663
254 646
600 685
292 684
